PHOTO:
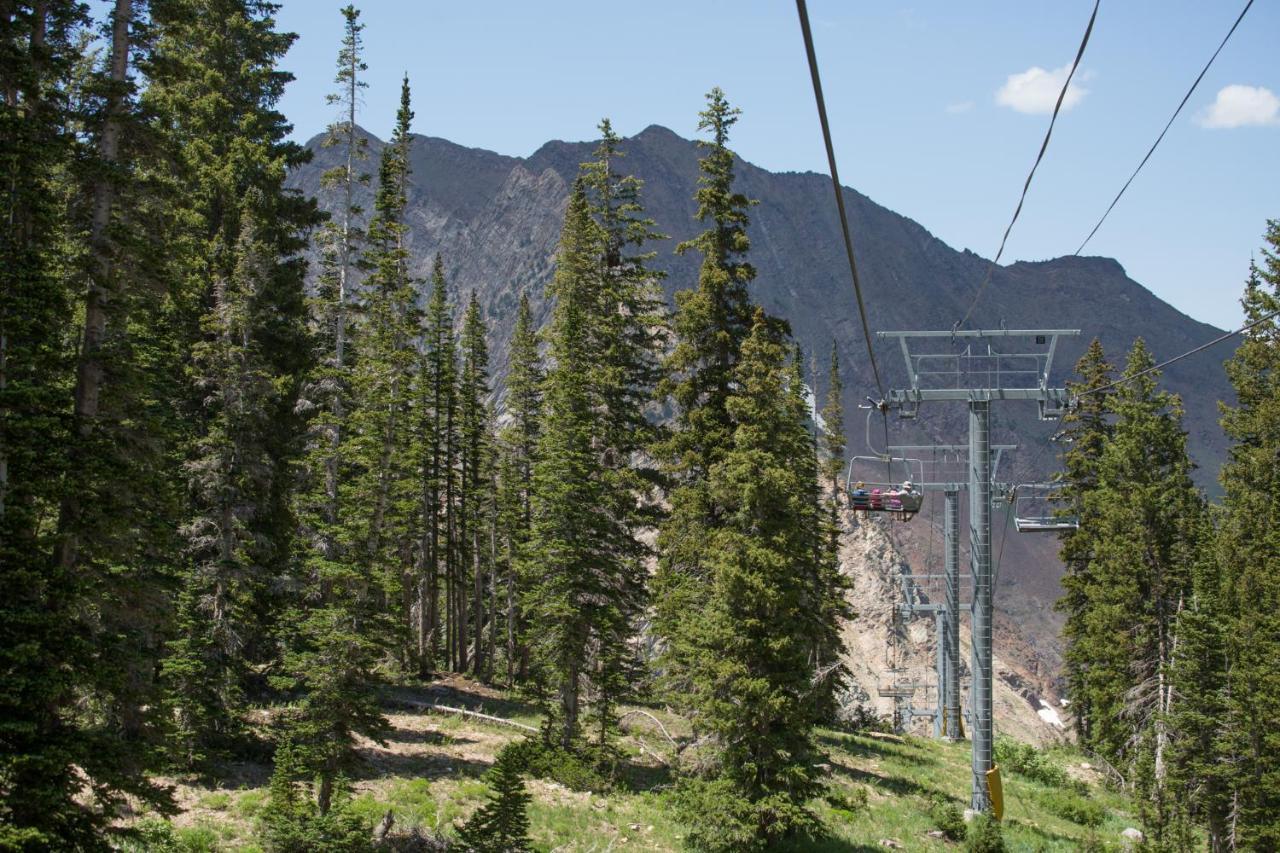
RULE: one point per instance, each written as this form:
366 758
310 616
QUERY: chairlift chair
894 684
1034 510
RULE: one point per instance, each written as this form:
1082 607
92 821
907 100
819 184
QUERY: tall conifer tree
833 423
517 446
437 441
709 325
475 483
1086 429
238 298
1249 552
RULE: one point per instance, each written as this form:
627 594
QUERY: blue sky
934 107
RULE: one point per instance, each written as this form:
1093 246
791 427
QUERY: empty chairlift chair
1037 509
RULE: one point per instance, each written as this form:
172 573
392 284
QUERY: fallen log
435 707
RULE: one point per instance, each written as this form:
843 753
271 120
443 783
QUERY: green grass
875 789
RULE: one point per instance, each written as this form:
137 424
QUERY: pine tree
627 332
833 423
237 294
570 524
709 325
517 445
436 439
501 825
65 717
1198 676
349 615
340 241
475 446
1147 515
1086 430
755 643
1248 552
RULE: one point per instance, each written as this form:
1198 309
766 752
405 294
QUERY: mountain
496 219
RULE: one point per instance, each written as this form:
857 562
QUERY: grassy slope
428 773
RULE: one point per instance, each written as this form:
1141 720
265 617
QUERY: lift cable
1204 346
1185 98
835 183
986 279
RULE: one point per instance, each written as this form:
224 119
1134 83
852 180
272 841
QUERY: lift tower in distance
946 722
973 367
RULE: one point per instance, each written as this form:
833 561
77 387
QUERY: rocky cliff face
1027 702
495 220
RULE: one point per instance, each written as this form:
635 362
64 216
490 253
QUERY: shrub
1026 760
984 835
156 835
1074 808
948 818
576 769
847 804
863 718
721 820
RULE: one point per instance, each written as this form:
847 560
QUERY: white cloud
1036 90
1241 106
960 107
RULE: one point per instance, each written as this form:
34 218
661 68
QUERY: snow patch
1050 716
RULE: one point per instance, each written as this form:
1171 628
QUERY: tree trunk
569 704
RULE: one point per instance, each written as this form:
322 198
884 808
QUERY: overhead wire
835 183
1168 124
1201 348
814 75
1057 107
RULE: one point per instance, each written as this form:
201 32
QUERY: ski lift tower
976 367
943 479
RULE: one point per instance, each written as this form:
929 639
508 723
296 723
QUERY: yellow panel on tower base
995 792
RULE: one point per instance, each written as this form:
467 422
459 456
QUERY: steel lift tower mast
946 723
972 366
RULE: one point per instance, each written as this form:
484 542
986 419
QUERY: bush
863 718
1074 808
984 835
576 769
847 804
721 820
156 835
1026 760
948 818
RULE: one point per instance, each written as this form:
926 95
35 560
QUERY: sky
937 109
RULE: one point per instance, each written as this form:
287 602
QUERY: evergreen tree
475 480
627 332
1249 551
1147 515
1086 430
570 524
756 633
67 706
501 825
1198 676
517 445
436 440
349 616
339 240
237 298
709 325
833 424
